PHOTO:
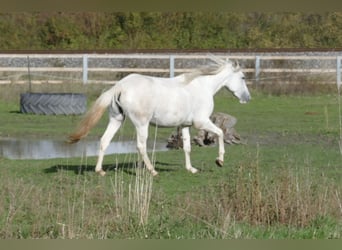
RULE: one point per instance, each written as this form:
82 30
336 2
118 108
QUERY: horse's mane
211 69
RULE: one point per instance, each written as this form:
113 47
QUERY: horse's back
160 100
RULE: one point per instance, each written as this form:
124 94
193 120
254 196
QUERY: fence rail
322 67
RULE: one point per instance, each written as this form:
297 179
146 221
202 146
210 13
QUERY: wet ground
49 149
26 148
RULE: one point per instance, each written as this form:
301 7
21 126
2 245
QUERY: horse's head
237 85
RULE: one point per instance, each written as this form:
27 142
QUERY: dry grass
133 200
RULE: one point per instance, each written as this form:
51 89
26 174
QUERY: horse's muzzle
245 98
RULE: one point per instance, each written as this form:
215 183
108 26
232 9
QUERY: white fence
321 67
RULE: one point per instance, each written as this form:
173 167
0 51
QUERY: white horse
184 101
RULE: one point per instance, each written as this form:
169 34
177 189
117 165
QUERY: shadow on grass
128 168
15 112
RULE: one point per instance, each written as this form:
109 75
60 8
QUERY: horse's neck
215 82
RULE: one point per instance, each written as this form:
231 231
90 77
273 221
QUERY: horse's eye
243 78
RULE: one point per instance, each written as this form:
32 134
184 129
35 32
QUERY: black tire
53 104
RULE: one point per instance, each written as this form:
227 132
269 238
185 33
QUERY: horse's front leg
187 149
209 126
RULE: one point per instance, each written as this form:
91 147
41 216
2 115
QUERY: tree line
169 30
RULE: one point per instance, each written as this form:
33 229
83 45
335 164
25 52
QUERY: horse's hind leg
113 126
142 134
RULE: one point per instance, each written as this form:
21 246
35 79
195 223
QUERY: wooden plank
60 69
40 69
305 57
41 56
128 70
156 70
32 81
298 70
177 56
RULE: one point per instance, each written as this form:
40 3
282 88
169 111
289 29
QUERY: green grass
284 183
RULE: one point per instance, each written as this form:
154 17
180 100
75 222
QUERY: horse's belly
171 119
170 123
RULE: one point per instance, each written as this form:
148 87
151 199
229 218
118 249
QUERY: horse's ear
236 65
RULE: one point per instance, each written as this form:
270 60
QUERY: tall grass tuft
290 197
132 199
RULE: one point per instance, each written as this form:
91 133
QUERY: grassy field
284 183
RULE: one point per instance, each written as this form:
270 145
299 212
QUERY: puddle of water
49 149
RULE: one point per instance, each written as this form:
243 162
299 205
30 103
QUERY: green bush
172 30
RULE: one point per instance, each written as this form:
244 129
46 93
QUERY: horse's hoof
101 173
219 163
193 170
154 173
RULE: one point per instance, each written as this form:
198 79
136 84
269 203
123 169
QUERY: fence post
29 73
257 68
85 69
338 72
172 66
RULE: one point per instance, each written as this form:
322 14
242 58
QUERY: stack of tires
53 103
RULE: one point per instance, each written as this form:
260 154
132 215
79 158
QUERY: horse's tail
93 115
